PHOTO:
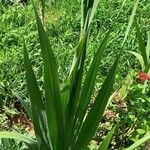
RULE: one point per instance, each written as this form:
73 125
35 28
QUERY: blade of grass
78 64
148 47
104 145
83 13
119 12
24 103
88 10
123 3
37 106
140 58
75 87
94 7
90 82
77 57
52 92
130 21
139 142
16 136
142 47
42 9
95 114
71 81
31 144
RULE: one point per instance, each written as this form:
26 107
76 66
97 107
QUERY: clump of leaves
62 121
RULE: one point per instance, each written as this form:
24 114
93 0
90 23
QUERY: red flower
142 76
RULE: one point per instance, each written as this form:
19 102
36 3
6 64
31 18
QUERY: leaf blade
139 142
16 136
148 46
51 85
105 143
140 59
89 82
97 110
130 21
37 107
142 47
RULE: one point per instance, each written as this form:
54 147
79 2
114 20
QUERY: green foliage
63 30
11 144
104 145
143 57
139 142
60 126
53 128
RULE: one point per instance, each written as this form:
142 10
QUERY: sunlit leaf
51 85
131 20
105 143
140 59
142 47
139 142
97 109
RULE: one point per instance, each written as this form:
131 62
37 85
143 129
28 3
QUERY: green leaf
95 5
42 9
16 136
140 58
95 114
139 142
77 57
37 106
76 73
75 79
105 143
131 20
65 95
148 47
142 47
25 104
89 82
83 13
88 9
123 3
52 92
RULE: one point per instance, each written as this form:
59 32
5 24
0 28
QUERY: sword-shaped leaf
148 48
130 21
94 8
75 79
37 106
105 143
51 85
31 144
95 114
89 82
140 59
16 136
142 47
139 142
